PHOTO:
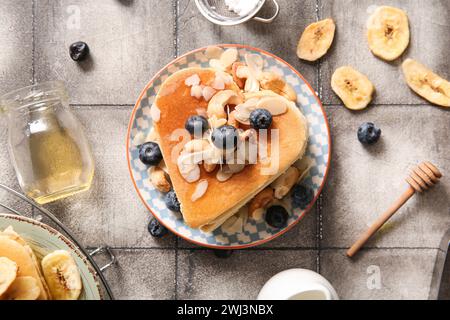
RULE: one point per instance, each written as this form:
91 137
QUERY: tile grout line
176 9
262 249
319 199
176 274
33 60
33 42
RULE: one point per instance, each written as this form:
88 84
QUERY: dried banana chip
316 40
354 88
23 288
426 83
388 32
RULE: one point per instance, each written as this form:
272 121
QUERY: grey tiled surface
143 274
203 276
131 40
16 35
119 34
8 177
380 274
364 181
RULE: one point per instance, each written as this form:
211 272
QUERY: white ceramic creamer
298 284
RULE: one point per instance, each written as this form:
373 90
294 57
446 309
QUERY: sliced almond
208 93
155 113
197 91
200 190
213 52
214 122
218 84
188 166
193 80
251 82
229 57
228 79
275 105
239 81
243 110
255 62
190 173
216 64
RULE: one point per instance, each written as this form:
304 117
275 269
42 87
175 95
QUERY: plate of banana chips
39 263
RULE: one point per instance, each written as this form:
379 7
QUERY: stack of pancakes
222 199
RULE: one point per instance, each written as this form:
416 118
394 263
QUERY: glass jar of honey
46 142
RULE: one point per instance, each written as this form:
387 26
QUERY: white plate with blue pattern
254 232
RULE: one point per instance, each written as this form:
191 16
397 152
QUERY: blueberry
368 133
223 254
196 125
261 119
277 217
150 154
225 137
79 51
172 202
156 229
302 196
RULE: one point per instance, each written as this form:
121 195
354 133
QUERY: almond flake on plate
229 57
213 52
208 93
200 190
275 105
193 80
216 64
196 91
218 83
155 113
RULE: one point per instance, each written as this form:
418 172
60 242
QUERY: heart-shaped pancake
174 104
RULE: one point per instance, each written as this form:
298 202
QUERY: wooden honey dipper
422 177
